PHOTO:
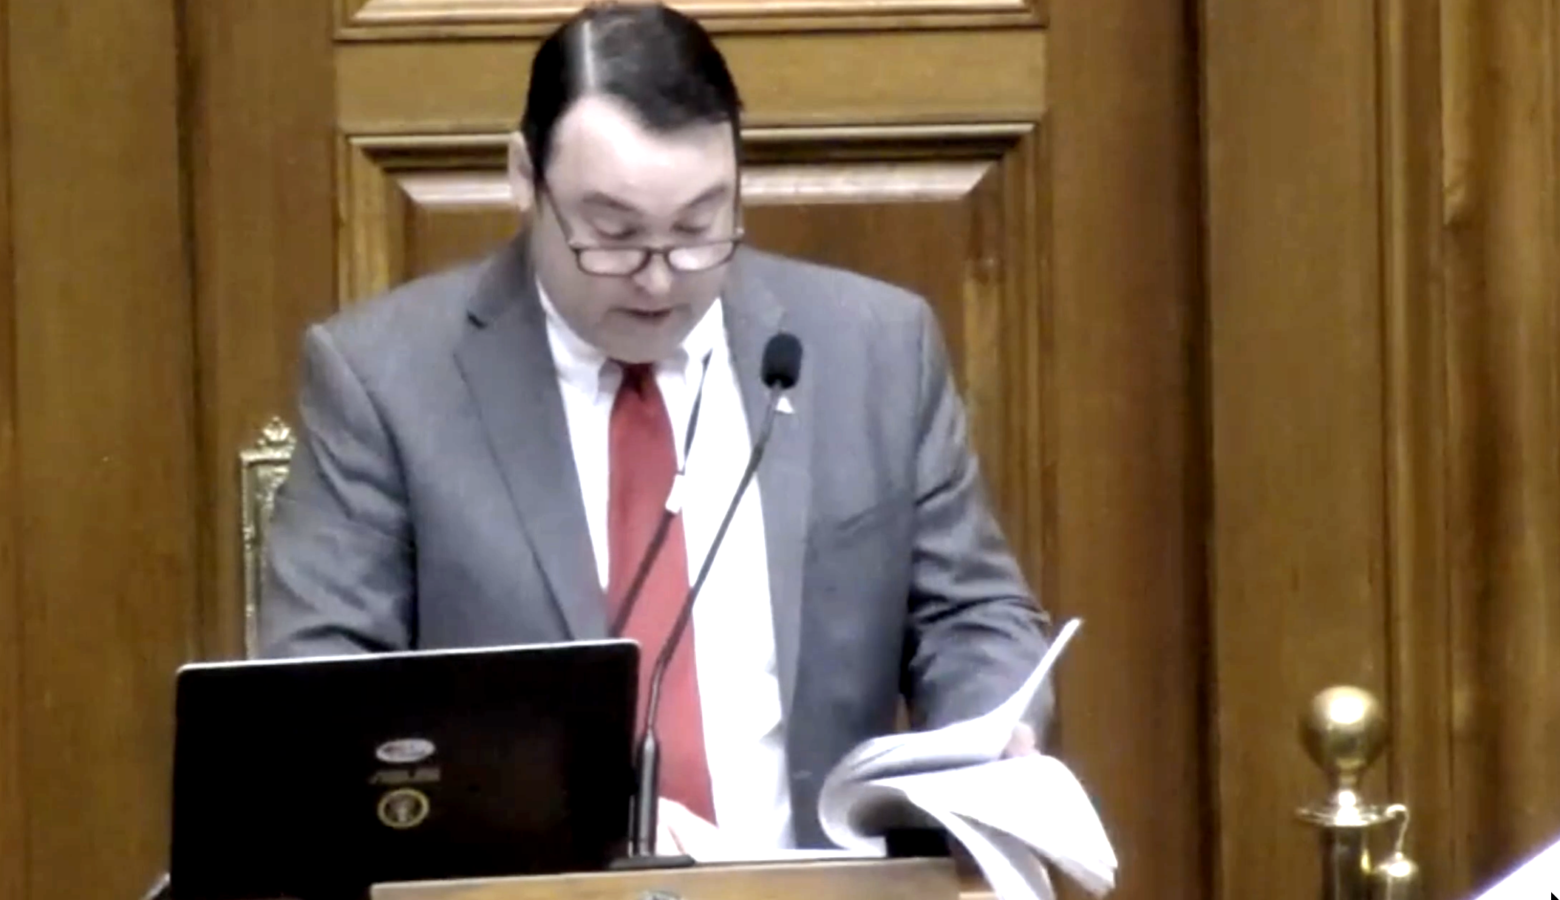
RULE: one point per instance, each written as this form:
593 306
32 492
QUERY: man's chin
645 342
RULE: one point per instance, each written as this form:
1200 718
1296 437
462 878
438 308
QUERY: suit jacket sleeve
976 632
338 570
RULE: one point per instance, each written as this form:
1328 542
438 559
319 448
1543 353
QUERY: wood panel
957 197
1419 701
13 800
263 217
1126 339
961 203
104 435
821 880
1399 279
419 203
1503 277
403 19
416 203
887 78
1296 401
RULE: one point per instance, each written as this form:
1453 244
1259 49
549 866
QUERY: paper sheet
1010 814
977 740
1034 799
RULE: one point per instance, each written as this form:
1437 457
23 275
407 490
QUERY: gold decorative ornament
1397 876
403 808
262 467
1344 730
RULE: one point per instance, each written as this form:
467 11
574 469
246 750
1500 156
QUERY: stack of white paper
1012 815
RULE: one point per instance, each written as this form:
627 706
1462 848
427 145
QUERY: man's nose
656 277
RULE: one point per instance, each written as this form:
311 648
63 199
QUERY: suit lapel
508 367
753 315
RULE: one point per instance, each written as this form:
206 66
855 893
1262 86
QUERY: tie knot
637 375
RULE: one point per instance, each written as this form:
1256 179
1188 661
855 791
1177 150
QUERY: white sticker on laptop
405 751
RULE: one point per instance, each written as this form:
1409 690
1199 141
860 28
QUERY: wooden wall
1498 433
1383 271
100 476
1257 304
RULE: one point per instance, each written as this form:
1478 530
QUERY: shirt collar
582 364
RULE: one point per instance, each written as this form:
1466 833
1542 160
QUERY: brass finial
1344 730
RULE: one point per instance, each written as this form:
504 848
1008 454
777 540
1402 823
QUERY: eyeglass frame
647 253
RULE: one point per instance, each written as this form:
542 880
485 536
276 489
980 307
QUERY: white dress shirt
739 686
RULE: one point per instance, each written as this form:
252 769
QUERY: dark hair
658 61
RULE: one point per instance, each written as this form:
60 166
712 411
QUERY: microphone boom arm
642 840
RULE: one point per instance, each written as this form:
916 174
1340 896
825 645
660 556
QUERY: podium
930 878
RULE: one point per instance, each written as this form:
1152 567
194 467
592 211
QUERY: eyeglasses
621 262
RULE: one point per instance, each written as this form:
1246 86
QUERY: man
485 453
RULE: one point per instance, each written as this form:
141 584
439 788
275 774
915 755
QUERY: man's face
615 187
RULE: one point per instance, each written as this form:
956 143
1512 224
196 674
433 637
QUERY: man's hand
1022 743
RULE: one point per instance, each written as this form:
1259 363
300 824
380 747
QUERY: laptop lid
316 778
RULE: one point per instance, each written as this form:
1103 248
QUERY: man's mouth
649 316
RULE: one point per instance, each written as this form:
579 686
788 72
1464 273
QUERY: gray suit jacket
433 500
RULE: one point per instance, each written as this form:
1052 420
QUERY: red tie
643 462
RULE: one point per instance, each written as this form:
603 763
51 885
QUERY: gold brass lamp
1344 730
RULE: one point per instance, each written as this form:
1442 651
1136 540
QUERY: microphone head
782 361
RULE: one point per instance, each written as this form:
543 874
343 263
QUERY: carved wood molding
1471 320
1501 466
383 178
910 77
1414 381
372 19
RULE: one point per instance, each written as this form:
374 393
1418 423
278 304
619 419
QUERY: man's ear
522 173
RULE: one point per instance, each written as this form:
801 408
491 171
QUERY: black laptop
316 778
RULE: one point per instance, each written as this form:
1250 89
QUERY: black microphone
782 364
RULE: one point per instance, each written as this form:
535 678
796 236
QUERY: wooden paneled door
1326 454
1030 168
